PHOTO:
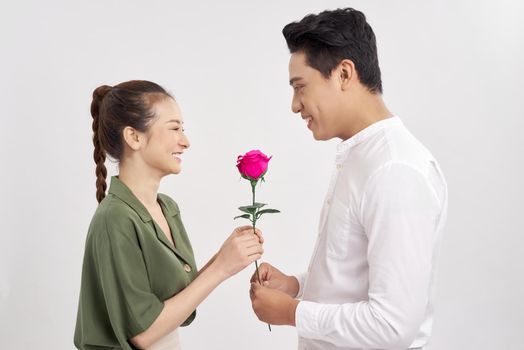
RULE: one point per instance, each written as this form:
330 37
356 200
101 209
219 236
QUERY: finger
270 284
252 248
254 277
248 240
241 230
261 272
247 232
254 257
265 271
249 229
250 244
258 233
249 235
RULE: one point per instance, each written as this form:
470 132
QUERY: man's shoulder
394 145
390 147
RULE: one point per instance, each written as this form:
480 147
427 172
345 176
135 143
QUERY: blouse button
187 268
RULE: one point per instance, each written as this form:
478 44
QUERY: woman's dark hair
332 36
114 108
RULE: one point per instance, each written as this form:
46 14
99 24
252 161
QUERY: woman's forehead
168 111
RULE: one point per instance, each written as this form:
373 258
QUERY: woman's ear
132 138
347 73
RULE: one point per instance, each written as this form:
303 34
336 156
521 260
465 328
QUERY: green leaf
244 216
267 211
248 209
251 209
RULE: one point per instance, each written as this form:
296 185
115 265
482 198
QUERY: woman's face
166 140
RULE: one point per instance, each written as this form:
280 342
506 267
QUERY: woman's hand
238 251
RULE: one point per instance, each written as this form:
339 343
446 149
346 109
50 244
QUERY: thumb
270 283
253 278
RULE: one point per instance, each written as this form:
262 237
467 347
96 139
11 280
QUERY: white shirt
369 282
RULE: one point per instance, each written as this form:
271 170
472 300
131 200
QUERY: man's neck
370 109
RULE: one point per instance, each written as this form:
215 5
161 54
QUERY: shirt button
187 268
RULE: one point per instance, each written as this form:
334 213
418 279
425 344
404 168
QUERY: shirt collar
120 190
344 146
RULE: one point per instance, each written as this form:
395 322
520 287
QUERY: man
369 283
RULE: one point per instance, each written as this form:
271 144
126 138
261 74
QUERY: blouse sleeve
123 277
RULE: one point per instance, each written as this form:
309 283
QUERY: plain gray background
452 71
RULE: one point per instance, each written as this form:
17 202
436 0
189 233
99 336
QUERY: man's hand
271 277
273 306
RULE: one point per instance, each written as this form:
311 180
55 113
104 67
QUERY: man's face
314 97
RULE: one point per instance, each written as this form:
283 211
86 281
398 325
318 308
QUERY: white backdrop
452 70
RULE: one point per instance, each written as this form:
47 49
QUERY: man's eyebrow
294 79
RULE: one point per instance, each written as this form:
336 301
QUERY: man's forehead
297 59
298 67
296 62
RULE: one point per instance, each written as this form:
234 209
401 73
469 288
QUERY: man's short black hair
332 36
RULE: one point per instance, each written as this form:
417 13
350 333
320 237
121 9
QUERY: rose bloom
253 164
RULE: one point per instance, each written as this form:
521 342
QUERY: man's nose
296 105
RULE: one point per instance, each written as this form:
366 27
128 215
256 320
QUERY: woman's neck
141 182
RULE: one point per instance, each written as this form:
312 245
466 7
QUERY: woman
139 277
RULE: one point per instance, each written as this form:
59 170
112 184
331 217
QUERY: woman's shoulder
112 215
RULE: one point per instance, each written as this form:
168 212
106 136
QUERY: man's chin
320 137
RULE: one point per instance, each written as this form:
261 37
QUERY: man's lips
308 120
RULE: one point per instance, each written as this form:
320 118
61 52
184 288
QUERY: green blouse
129 269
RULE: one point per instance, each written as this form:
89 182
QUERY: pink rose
253 164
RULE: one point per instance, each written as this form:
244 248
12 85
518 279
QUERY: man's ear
347 73
132 138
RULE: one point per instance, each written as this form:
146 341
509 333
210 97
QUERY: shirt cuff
307 319
301 281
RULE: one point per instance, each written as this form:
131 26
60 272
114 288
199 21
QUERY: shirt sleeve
301 281
128 299
399 212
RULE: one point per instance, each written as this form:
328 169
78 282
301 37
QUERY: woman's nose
184 142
